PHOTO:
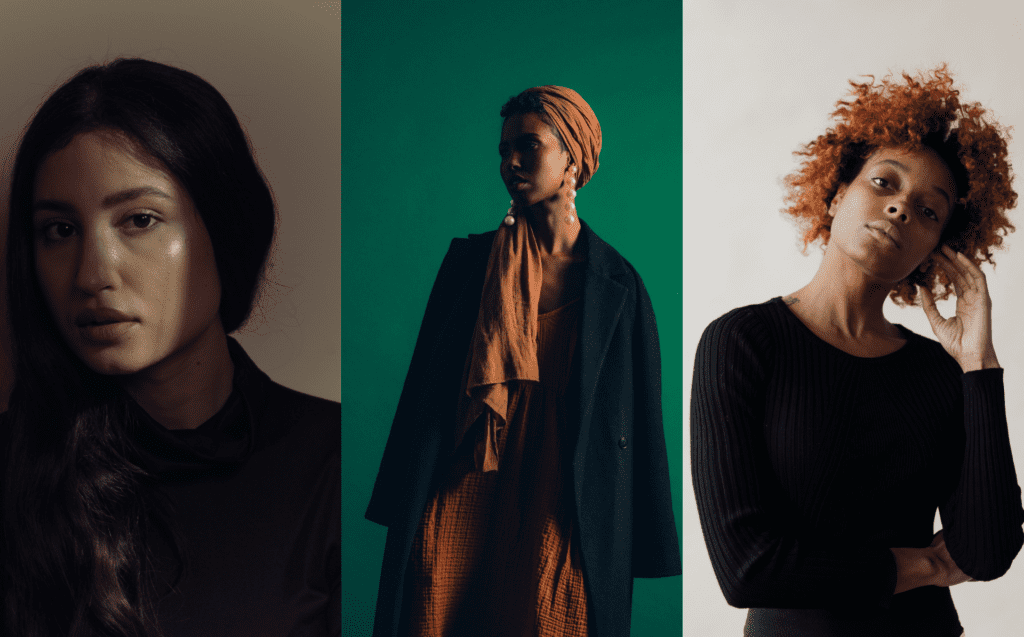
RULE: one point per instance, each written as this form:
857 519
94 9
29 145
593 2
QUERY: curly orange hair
920 112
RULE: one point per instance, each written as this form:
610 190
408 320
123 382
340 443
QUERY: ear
836 199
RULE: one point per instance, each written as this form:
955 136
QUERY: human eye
528 144
140 221
881 182
931 214
55 231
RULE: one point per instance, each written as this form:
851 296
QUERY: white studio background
278 64
759 80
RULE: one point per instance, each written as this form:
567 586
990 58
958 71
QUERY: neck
554 234
188 387
845 298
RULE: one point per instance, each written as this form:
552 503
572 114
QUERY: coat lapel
603 300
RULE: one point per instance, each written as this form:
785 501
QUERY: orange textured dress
494 555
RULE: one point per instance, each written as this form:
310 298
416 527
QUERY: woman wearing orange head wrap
525 480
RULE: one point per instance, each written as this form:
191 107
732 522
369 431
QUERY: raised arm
982 516
759 555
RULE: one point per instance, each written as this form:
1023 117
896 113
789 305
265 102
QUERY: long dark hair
78 510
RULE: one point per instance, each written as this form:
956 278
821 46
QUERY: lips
887 229
514 181
104 326
101 316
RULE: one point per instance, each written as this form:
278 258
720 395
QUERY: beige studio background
759 79
277 62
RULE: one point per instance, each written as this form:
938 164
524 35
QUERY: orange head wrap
577 125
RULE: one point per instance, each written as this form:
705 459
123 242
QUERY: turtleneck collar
215 448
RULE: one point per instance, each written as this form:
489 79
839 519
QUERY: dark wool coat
619 466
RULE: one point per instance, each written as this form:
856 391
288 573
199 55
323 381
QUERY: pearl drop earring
510 219
572 194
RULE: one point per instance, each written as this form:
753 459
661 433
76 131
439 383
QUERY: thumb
928 304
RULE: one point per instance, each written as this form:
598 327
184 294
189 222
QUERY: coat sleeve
760 558
655 539
393 478
982 516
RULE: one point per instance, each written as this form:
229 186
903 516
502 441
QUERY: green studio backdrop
422 85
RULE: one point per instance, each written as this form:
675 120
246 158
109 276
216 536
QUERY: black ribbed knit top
810 463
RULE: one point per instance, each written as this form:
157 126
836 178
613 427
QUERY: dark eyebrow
108 201
904 169
895 163
133 193
520 137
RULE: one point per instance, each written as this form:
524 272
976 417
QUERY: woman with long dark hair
525 480
156 481
824 437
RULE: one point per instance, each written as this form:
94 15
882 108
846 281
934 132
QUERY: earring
571 194
510 219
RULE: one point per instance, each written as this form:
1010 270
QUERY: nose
97 264
513 161
898 211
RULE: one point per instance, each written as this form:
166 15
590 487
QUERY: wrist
974 363
915 567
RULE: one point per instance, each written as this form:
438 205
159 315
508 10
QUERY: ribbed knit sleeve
761 557
982 518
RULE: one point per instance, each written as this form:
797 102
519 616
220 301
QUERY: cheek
175 256
202 280
928 243
553 170
190 275
849 211
158 278
51 277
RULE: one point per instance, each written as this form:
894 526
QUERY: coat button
622 442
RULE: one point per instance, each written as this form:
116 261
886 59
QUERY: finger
971 269
953 273
932 312
969 273
946 256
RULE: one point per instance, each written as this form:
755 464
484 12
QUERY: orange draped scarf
504 345
503 349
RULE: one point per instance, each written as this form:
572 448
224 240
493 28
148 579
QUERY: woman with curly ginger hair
824 437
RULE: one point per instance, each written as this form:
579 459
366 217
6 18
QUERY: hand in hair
966 336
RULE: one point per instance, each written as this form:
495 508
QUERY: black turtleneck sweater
255 496
810 463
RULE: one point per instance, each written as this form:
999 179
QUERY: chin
112 366
112 360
